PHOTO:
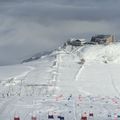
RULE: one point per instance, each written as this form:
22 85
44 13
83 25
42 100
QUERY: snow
100 53
62 84
12 71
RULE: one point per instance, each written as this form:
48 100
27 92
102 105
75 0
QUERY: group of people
51 117
84 116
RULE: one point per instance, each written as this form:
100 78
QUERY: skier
84 116
50 117
16 118
33 117
61 117
91 116
70 97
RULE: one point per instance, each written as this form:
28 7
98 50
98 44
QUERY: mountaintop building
76 42
103 39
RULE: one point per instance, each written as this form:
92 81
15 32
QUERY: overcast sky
31 26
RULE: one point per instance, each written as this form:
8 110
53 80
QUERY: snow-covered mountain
69 82
37 56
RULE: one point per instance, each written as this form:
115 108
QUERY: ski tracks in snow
113 83
77 76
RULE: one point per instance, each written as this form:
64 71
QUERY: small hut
76 42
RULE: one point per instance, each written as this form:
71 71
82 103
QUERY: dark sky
31 26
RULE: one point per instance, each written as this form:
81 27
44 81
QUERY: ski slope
68 82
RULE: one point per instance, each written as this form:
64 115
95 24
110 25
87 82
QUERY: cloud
31 26
57 11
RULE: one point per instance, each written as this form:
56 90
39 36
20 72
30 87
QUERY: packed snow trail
79 72
96 79
113 80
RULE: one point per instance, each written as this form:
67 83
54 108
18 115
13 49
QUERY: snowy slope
68 82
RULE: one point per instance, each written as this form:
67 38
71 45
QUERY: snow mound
101 53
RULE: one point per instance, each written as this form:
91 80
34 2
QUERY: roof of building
74 39
102 36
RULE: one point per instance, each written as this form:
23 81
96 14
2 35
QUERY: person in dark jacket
61 117
51 117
